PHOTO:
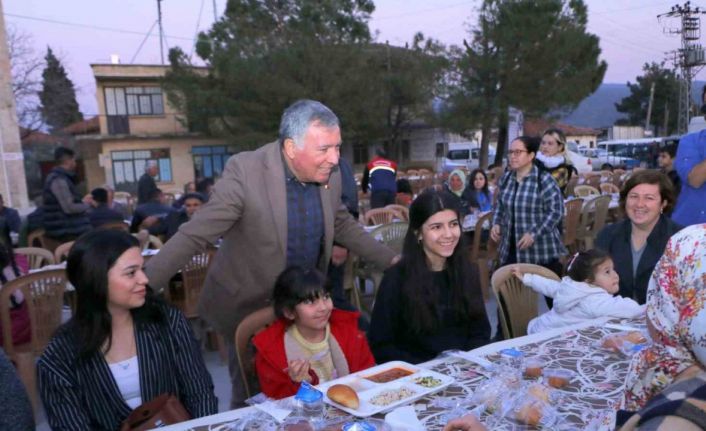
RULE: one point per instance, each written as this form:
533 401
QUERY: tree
534 56
264 55
665 105
58 97
25 68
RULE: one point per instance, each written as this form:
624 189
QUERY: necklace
124 365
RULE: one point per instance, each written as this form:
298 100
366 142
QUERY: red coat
271 360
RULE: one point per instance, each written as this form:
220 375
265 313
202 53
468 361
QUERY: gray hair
297 118
150 164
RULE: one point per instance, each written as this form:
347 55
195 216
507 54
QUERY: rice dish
386 398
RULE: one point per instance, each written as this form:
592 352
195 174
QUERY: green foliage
665 99
263 55
58 97
536 56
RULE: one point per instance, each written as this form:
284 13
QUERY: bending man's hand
465 423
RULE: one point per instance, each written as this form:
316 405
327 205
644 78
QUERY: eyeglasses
514 153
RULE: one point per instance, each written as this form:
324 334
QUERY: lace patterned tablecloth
589 402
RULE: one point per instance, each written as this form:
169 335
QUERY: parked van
464 155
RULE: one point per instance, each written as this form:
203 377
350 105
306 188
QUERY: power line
92 27
660 3
196 31
132 60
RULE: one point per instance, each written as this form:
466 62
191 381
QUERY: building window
133 101
209 161
128 166
360 153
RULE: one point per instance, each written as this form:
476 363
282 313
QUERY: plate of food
382 388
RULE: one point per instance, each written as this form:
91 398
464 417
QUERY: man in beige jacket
274 207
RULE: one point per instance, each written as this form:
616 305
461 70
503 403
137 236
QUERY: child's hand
515 270
299 370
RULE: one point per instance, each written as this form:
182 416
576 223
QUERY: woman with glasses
529 209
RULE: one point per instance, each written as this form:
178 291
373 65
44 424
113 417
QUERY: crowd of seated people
644 264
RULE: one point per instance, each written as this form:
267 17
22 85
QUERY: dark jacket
56 222
145 188
615 240
16 410
81 394
391 337
146 210
380 175
101 215
169 225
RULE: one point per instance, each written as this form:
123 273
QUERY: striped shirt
534 205
81 394
305 222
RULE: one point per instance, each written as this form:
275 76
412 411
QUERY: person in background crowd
150 213
312 341
115 205
666 165
189 187
204 187
16 414
19 312
275 207
431 300
553 157
638 241
528 211
64 214
607 167
478 194
11 217
380 174
169 225
122 348
146 185
339 254
404 192
101 214
666 380
456 186
690 164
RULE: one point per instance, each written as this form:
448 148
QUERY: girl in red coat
311 341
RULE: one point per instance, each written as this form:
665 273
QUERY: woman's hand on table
495 233
526 241
299 370
465 423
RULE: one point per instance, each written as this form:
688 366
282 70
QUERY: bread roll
344 395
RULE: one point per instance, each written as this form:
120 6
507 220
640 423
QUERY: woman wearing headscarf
456 185
667 380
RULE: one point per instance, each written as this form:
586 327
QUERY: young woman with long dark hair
122 348
478 194
430 301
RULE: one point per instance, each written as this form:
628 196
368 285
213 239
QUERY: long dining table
589 402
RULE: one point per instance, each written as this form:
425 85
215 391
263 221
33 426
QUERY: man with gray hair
275 207
146 185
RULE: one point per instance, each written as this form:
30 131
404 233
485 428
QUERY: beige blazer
248 208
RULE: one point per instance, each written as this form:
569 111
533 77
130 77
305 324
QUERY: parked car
464 155
600 156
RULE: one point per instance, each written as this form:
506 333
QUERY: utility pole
161 30
215 12
13 181
649 107
690 55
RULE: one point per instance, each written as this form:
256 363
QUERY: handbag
161 411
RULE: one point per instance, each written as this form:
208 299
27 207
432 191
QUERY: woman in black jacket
636 243
122 348
431 300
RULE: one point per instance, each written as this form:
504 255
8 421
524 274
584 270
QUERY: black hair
155 195
380 152
296 285
87 266
203 185
100 195
420 295
607 167
584 264
472 178
63 153
404 186
194 195
670 149
531 143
